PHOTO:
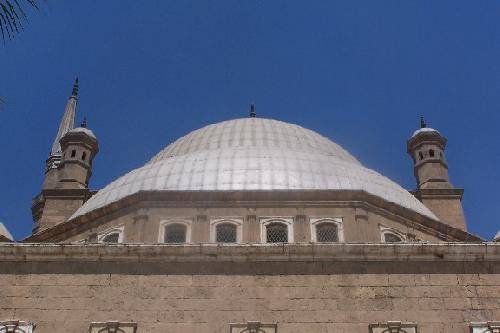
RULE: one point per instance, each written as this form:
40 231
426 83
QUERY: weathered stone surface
204 288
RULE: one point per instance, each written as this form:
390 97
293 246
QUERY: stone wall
141 215
367 230
203 288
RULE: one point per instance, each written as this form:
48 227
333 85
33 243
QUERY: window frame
265 221
393 327
338 221
119 230
253 326
165 223
395 232
16 326
485 327
237 221
112 327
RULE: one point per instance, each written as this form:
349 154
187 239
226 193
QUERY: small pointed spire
253 114
84 122
74 92
422 122
67 123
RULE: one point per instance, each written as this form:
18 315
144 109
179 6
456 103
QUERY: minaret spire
74 92
253 114
67 124
422 122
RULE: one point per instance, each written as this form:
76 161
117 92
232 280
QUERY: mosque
249 225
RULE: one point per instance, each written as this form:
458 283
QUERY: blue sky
358 72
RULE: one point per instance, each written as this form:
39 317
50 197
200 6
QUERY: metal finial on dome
253 114
84 122
422 122
74 92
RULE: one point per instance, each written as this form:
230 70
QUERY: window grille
277 233
226 233
487 327
392 238
113 327
111 238
16 327
253 327
175 233
393 327
326 232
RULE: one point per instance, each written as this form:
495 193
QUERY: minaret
79 146
427 149
67 124
68 171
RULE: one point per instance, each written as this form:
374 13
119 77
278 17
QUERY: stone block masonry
203 288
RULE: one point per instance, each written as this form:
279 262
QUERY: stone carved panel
113 327
487 327
393 327
253 327
16 327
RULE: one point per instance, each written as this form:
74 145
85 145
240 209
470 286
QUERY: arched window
431 153
277 229
390 237
175 233
84 155
226 230
420 155
326 232
276 232
225 233
111 238
327 229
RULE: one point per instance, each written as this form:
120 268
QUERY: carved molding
113 327
485 327
15 326
253 327
393 327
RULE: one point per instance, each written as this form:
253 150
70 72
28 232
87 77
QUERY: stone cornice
444 193
425 138
405 252
299 258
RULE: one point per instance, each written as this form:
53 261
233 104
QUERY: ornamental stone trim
15 326
253 327
393 327
485 327
113 327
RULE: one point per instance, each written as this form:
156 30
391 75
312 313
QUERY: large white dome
253 154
